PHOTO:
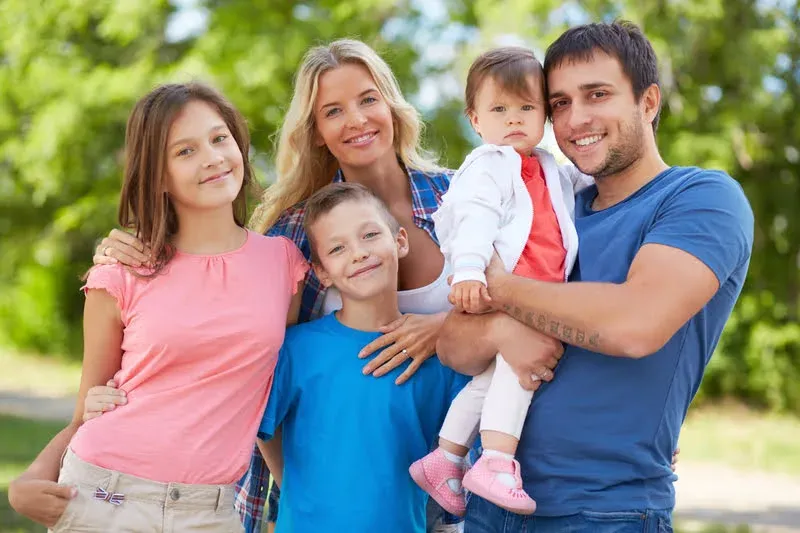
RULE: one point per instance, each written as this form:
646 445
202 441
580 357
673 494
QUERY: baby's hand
470 296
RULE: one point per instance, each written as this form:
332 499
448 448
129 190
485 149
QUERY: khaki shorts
110 501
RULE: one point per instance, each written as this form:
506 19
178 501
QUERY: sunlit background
70 71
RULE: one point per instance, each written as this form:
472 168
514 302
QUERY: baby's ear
403 245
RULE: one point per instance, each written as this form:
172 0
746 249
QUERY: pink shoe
431 474
482 480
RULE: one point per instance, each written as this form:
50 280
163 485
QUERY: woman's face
353 119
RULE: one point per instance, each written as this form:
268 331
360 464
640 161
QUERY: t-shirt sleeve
110 278
298 266
281 396
709 218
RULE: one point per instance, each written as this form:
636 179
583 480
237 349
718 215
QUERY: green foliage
70 70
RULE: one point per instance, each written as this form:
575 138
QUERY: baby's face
506 119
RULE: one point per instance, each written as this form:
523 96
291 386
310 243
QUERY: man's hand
531 354
40 500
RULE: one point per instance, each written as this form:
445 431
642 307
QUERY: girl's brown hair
144 203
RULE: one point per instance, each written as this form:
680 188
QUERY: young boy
321 405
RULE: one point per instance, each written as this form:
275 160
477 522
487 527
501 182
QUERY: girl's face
353 119
205 169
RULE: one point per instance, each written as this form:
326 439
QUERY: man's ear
402 243
651 103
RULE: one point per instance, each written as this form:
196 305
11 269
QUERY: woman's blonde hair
303 167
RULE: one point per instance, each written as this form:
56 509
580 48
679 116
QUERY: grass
20 443
727 434
742 438
37 375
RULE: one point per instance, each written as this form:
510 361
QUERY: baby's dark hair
326 199
509 67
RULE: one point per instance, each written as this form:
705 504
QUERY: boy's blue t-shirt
600 436
348 439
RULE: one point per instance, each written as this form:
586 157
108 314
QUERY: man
662 258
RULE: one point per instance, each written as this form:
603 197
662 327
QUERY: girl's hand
121 247
409 337
100 399
40 500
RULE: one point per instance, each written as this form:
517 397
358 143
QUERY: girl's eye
336 249
332 111
371 234
185 151
220 138
528 107
369 100
498 109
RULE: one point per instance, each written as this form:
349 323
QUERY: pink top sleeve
298 266
110 278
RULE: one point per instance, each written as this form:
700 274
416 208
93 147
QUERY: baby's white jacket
488 205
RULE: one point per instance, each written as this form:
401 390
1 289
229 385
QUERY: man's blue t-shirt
600 436
348 439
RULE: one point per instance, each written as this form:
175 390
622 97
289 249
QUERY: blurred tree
70 70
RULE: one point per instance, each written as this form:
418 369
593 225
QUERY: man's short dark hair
622 40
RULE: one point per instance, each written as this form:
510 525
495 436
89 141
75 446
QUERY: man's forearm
465 342
597 316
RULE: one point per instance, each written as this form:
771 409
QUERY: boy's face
507 119
356 250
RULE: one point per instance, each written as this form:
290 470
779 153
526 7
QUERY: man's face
596 121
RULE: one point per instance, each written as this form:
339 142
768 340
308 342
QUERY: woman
348 121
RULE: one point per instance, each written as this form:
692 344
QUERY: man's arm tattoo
550 326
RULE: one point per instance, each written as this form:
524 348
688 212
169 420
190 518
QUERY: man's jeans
485 517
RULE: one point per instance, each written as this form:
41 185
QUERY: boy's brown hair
326 199
510 67
144 203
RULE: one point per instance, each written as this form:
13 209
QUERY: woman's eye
332 111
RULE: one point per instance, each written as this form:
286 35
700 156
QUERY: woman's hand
409 337
121 247
100 399
40 500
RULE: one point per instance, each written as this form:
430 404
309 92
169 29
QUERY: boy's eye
528 107
498 108
336 249
371 234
